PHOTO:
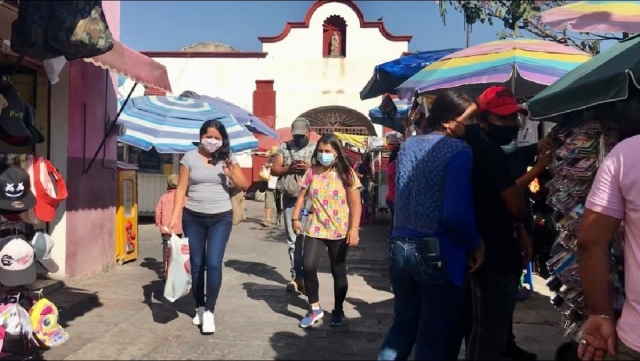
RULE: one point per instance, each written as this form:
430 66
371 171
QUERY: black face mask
300 141
502 134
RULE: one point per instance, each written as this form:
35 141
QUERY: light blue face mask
326 159
510 148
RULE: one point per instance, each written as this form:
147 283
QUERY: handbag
291 182
237 204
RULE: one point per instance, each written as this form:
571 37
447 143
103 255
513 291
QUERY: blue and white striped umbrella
403 107
172 124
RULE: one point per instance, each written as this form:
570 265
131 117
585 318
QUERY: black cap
29 121
11 119
15 189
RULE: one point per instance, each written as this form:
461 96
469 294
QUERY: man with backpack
292 159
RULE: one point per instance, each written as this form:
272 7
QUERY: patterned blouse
330 218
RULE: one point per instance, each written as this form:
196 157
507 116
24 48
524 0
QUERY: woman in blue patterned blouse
434 238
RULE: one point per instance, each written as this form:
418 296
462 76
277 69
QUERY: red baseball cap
500 101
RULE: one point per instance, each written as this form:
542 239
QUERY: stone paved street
122 315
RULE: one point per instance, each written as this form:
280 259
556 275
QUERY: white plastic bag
178 282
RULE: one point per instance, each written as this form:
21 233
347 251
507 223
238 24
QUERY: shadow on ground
162 311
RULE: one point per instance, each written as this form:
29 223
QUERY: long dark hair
446 107
394 154
224 151
341 164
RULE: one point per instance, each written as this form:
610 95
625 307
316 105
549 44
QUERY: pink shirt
616 193
391 181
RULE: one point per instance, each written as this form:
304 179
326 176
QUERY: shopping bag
265 174
178 283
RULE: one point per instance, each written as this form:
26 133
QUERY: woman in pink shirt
391 182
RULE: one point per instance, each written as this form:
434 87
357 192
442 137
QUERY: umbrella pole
513 79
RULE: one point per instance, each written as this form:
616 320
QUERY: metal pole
468 34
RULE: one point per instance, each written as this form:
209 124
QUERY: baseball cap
42 245
15 189
500 101
300 126
17 266
44 318
48 201
11 118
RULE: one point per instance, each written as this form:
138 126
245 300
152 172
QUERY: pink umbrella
594 17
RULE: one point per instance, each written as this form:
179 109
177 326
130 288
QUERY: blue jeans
426 304
392 209
295 242
208 236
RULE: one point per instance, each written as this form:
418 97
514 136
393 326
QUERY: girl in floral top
334 191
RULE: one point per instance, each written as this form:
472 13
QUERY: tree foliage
518 16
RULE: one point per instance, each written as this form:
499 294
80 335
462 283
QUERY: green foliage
520 15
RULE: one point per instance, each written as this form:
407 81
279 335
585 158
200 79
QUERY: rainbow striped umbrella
525 65
594 17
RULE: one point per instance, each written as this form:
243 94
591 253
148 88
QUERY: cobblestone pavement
122 315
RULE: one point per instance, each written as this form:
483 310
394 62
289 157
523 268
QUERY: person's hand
301 165
297 227
476 258
545 144
544 160
353 237
526 249
172 226
598 338
228 167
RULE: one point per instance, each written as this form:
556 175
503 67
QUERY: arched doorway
335 118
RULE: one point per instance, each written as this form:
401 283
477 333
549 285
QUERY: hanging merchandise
15 189
17 267
42 245
78 29
44 322
12 128
29 123
50 189
583 141
73 29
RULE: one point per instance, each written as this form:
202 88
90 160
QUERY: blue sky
171 25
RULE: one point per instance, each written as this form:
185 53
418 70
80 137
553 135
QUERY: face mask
502 134
510 148
300 140
326 159
211 144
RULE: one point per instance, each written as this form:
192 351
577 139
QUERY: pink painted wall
92 196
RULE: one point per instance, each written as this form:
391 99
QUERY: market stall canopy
524 65
387 76
284 135
594 17
605 78
172 124
134 65
359 141
396 123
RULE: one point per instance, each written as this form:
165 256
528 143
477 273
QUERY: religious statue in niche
335 45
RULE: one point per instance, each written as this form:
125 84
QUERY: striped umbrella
525 65
594 17
172 124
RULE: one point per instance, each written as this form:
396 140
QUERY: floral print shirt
330 218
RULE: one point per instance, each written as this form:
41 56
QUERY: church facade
314 68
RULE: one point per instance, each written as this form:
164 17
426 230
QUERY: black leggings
338 259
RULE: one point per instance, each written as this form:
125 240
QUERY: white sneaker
197 319
208 324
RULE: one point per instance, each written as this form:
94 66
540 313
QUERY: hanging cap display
47 203
17 266
15 189
44 318
11 117
499 101
42 245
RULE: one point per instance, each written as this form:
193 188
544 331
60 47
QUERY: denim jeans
494 300
295 242
426 303
392 209
208 236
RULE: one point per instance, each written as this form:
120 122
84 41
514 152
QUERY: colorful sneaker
312 318
337 318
